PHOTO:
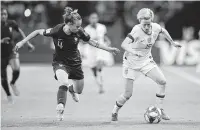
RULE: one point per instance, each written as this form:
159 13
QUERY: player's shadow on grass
68 123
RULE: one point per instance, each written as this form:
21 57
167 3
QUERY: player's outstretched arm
126 45
29 37
32 48
103 47
168 37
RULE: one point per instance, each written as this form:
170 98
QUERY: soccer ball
152 115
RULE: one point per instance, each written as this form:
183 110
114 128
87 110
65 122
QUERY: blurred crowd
180 18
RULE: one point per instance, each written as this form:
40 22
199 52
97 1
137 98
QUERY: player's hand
5 40
31 48
114 50
18 46
177 45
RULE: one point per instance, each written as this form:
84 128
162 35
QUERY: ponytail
71 15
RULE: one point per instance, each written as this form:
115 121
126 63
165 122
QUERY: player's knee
128 95
79 87
63 87
162 81
79 91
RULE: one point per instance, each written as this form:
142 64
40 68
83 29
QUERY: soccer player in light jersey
99 58
138 58
67 63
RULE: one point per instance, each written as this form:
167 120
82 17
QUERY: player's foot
10 99
114 117
164 115
101 91
74 95
60 111
15 90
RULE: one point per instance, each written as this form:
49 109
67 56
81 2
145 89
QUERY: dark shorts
14 55
73 72
5 60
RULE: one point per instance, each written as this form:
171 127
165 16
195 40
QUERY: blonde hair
145 13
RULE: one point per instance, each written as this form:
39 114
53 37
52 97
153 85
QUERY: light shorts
130 73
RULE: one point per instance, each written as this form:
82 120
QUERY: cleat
114 117
101 91
60 111
164 115
74 96
10 99
15 90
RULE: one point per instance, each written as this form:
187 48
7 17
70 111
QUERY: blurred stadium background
35 107
180 19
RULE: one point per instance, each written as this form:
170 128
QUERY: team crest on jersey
75 39
10 29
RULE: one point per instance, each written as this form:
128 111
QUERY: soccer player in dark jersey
67 58
7 54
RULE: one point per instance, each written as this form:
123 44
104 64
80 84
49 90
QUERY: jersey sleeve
83 35
53 32
132 34
14 25
158 27
50 32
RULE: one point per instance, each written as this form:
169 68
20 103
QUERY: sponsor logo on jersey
48 30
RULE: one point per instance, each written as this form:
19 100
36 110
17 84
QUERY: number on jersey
60 43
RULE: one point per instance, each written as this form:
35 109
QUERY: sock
62 95
99 79
119 103
15 76
4 84
159 100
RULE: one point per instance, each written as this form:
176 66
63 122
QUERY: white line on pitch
183 74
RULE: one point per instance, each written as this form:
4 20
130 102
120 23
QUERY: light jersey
142 46
93 53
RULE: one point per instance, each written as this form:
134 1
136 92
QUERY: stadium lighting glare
27 12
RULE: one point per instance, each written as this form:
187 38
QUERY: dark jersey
66 46
6 31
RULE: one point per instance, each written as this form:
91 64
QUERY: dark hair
71 15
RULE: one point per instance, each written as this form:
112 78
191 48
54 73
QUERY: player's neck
149 32
66 30
94 25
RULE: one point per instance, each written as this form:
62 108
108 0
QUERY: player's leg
76 74
156 75
62 76
77 86
129 76
4 79
15 65
99 77
97 71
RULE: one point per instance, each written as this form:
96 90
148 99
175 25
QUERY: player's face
94 18
146 25
4 15
75 26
